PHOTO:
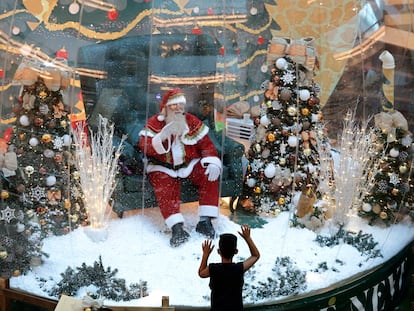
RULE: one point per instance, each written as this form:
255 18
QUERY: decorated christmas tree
284 152
40 190
390 196
20 243
45 180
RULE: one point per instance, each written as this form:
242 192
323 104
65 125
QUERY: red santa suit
183 156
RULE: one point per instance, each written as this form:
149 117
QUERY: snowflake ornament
58 143
394 179
256 165
265 205
7 214
288 77
382 187
38 193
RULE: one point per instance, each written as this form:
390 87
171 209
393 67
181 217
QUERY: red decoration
260 40
210 11
113 14
7 134
62 53
238 51
222 51
1 73
313 100
196 31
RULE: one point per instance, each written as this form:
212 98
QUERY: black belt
167 165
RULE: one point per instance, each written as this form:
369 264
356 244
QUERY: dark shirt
226 284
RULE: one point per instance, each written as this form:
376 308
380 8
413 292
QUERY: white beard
177 122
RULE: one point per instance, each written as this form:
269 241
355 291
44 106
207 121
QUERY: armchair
137 71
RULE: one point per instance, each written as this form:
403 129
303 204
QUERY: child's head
228 245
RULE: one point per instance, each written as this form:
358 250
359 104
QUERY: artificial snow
138 246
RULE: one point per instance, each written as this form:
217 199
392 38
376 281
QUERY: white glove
213 172
172 128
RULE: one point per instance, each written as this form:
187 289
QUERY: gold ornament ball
376 208
257 190
4 194
63 123
332 301
271 137
291 110
307 152
395 191
76 175
281 201
305 111
383 215
403 168
67 204
46 138
3 254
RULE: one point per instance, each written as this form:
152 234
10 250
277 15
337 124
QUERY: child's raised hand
245 231
207 247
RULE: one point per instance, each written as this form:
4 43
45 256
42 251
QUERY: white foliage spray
354 166
97 165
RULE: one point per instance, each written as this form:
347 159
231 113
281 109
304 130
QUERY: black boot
179 235
206 228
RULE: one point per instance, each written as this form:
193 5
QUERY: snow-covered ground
138 246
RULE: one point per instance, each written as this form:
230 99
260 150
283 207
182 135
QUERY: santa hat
174 96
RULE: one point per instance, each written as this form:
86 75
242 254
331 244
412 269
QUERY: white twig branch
97 164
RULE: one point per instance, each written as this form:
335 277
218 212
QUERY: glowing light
97 165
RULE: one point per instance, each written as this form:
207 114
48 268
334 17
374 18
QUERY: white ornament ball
281 63
394 152
292 141
74 8
51 180
264 120
19 227
48 153
315 118
33 141
406 141
366 207
66 140
15 30
24 120
270 170
304 94
251 182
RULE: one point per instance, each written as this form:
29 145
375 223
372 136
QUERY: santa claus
177 146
